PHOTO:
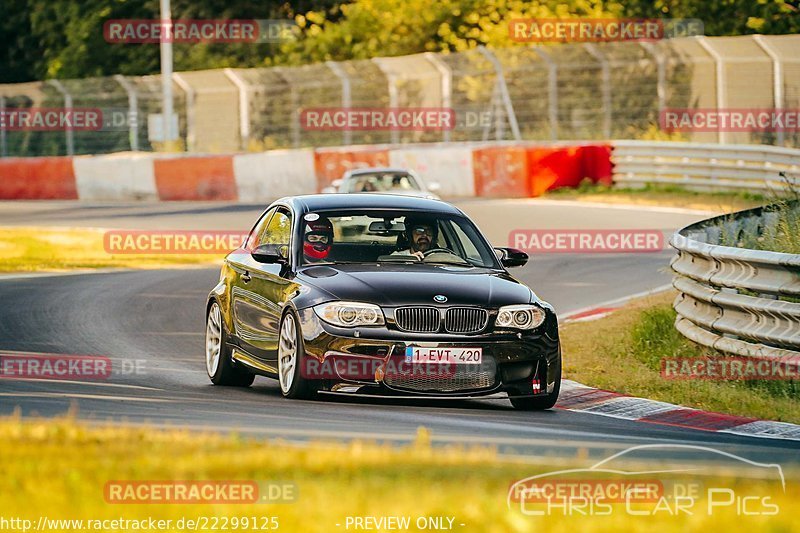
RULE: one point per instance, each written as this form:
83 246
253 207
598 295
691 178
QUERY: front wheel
219 364
290 356
539 403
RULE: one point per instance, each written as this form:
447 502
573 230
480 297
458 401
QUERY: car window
278 230
381 182
360 237
469 247
258 229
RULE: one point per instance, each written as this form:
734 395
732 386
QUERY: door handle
246 277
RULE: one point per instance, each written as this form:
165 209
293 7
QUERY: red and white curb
577 397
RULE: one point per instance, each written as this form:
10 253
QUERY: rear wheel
219 364
290 357
539 403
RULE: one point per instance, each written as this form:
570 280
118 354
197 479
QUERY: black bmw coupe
380 295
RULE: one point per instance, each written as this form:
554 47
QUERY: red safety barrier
526 171
331 163
552 168
37 178
196 178
501 171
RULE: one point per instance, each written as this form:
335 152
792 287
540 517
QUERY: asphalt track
154 320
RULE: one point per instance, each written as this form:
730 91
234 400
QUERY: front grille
417 319
428 319
465 377
465 320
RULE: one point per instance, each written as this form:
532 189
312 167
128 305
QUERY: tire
219 365
539 403
290 356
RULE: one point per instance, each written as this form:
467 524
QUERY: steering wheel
438 250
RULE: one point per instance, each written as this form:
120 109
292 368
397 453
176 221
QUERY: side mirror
328 190
271 253
511 257
434 186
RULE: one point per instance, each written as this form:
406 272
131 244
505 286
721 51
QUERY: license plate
462 356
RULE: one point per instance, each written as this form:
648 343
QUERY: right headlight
520 317
350 314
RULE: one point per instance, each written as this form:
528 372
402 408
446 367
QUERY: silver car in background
384 180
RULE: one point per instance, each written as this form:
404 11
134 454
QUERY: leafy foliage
64 38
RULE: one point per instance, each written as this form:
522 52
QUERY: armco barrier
728 297
704 166
37 178
462 170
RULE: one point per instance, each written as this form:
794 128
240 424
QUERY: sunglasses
419 230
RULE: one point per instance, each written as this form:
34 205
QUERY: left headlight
520 317
350 314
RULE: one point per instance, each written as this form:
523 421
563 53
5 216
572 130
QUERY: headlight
350 314
520 317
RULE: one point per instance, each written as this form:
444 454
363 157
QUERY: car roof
324 202
377 170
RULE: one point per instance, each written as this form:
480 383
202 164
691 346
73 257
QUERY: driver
317 240
421 234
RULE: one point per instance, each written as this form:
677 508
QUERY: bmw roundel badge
440 298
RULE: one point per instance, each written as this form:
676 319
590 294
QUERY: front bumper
372 361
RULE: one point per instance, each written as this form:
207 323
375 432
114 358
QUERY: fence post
502 90
338 71
244 106
3 140
777 78
447 86
606 73
70 138
394 96
720 71
133 112
552 90
661 84
190 96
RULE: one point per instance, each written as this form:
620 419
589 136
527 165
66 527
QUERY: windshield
381 182
389 237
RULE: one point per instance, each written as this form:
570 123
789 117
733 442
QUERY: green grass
61 249
661 195
623 353
58 469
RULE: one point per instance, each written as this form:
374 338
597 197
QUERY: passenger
317 240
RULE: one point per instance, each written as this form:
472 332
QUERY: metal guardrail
705 166
729 297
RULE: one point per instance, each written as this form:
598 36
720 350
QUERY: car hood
391 285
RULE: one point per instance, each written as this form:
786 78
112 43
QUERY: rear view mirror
271 253
511 257
385 226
